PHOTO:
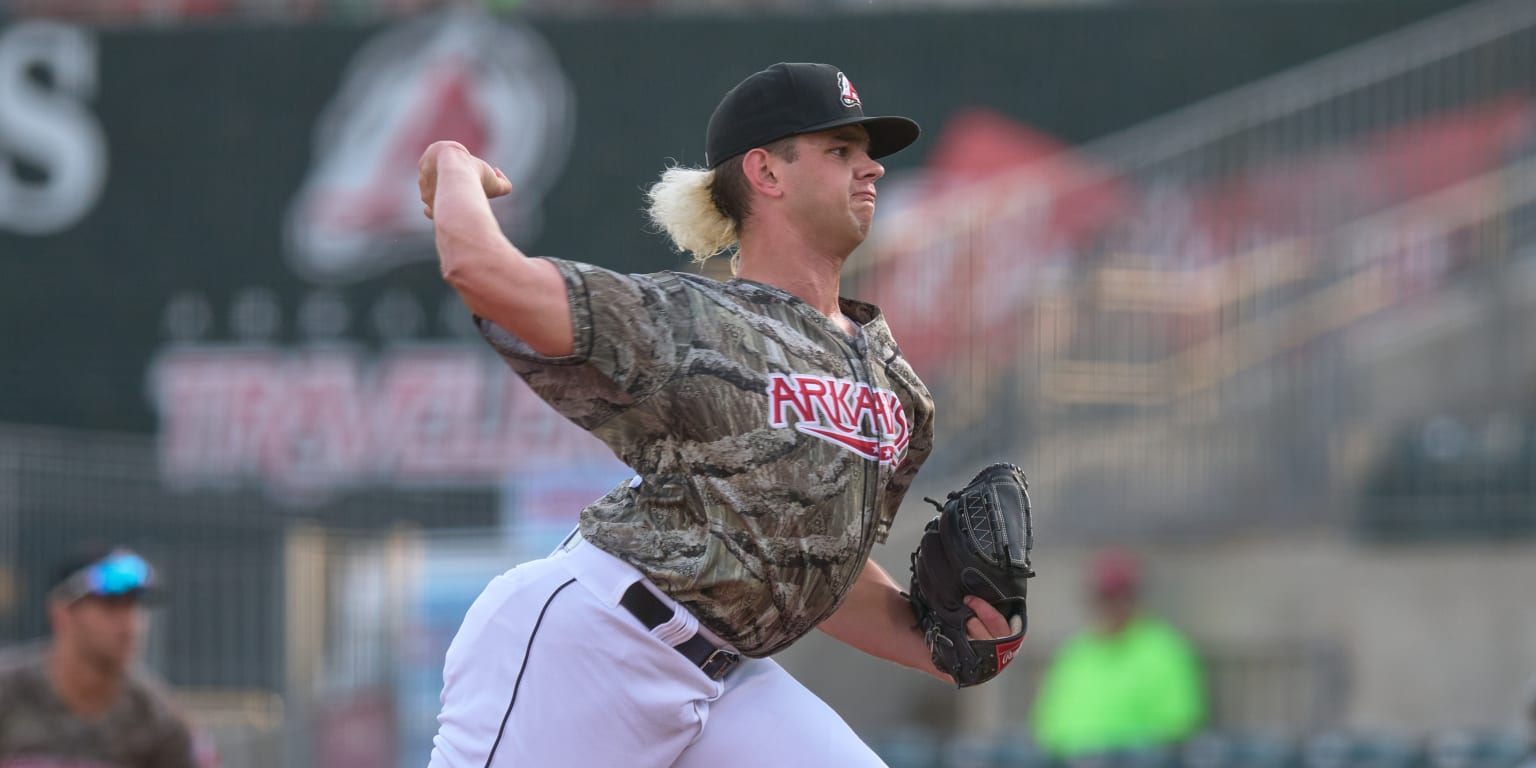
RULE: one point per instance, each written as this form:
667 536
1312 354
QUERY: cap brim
887 135
137 595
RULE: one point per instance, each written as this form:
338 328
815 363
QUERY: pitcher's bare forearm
498 282
877 619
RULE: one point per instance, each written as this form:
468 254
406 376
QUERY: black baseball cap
789 99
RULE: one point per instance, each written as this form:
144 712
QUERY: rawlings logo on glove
978 544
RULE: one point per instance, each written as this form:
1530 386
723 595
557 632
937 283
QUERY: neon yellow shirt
1142 687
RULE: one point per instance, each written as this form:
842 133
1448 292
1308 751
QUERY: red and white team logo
847 92
850 414
488 82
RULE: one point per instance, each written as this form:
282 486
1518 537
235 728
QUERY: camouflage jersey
37 730
772 449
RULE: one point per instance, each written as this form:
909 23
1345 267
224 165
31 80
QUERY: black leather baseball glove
978 544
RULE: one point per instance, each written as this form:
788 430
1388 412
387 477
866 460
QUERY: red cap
1115 572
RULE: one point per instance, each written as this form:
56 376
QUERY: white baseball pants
549 670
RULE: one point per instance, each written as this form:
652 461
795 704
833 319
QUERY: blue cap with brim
120 573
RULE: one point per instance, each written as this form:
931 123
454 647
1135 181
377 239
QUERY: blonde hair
682 205
702 210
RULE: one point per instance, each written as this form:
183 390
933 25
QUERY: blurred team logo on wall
488 83
307 424
328 417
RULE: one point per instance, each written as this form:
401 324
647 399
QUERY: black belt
652 612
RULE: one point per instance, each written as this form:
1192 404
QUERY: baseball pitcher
774 428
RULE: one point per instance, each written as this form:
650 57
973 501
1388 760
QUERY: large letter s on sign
53 153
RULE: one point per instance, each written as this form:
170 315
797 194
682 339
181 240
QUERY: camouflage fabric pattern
140 730
773 450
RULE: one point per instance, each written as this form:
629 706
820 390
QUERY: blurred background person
1129 681
78 700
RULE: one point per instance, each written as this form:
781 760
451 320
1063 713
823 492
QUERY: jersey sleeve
21 678
624 345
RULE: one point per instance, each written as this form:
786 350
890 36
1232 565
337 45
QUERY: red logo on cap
847 92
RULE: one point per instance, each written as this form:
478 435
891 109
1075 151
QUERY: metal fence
282 637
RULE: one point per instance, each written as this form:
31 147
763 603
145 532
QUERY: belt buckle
719 663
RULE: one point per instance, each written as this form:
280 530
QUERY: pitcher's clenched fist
449 157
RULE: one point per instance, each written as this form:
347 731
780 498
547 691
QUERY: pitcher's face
832 185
